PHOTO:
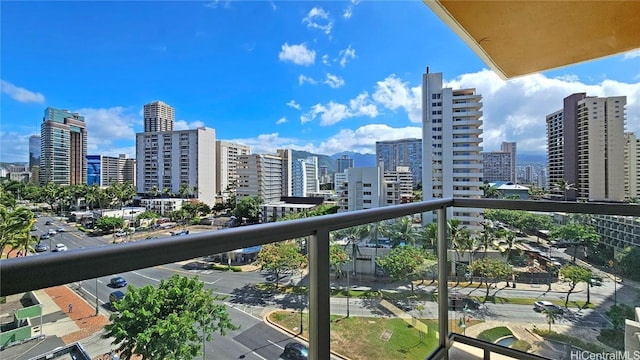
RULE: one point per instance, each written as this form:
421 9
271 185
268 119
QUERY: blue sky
318 76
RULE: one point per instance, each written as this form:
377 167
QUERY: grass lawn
493 334
372 338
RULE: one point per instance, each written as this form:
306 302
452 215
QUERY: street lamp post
301 303
97 305
348 294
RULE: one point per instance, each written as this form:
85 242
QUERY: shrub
612 337
521 345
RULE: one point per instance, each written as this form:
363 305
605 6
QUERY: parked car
295 351
547 305
40 247
116 296
118 282
180 232
596 282
61 247
121 234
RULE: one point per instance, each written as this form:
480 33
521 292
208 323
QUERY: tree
627 262
578 235
512 241
490 191
15 225
575 274
50 194
280 257
402 263
352 236
563 186
551 316
618 314
171 321
337 258
249 208
401 231
107 223
492 270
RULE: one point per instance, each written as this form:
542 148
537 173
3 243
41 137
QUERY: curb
266 319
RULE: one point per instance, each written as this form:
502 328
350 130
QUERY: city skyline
324 78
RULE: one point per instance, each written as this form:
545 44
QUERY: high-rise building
404 152
227 166
304 177
170 160
158 116
363 189
63 148
451 137
107 170
510 147
585 145
34 151
496 167
343 163
398 185
528 174
632 166
266 176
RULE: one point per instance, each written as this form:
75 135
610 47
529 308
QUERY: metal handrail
36 272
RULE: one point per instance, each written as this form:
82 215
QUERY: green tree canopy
167 322
618 314
248 207
402 263
280 257
107 223
337 257
575 274
492 270
578 235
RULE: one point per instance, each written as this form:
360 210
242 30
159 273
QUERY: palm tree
551 316
429 236
490 191
15 225
462 243
401 231
512 241
563 186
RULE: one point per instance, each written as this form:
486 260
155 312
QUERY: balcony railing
37 272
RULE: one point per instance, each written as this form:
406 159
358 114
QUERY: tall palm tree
429 236
490 191
551 316
563 186
352 236
512 241
401 231
15 225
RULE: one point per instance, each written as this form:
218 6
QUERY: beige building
632 166
227 166
267 176
167 160
451 135
158 116
586 147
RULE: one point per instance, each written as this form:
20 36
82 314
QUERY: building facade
63 148
304 177
585 144
227 166
497 167
158 116
34 151
632 166
343 163
510 148
404 152
451 138
264 175
172 160
398 185
363 189
107 170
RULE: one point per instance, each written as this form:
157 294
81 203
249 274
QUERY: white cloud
515 110
14 146
267 143
304 79
107 125
346 54
317 18
294 104
632 54
348 11
273 5
334 112
393 93
297 54
325 59
334 81
217 3
186 125
21 94
282 120
363 139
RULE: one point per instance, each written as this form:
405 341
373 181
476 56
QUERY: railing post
443 291
319 320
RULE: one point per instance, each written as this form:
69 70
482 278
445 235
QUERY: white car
52 232
61 247
121 234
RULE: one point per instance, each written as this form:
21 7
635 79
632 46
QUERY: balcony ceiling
519 37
